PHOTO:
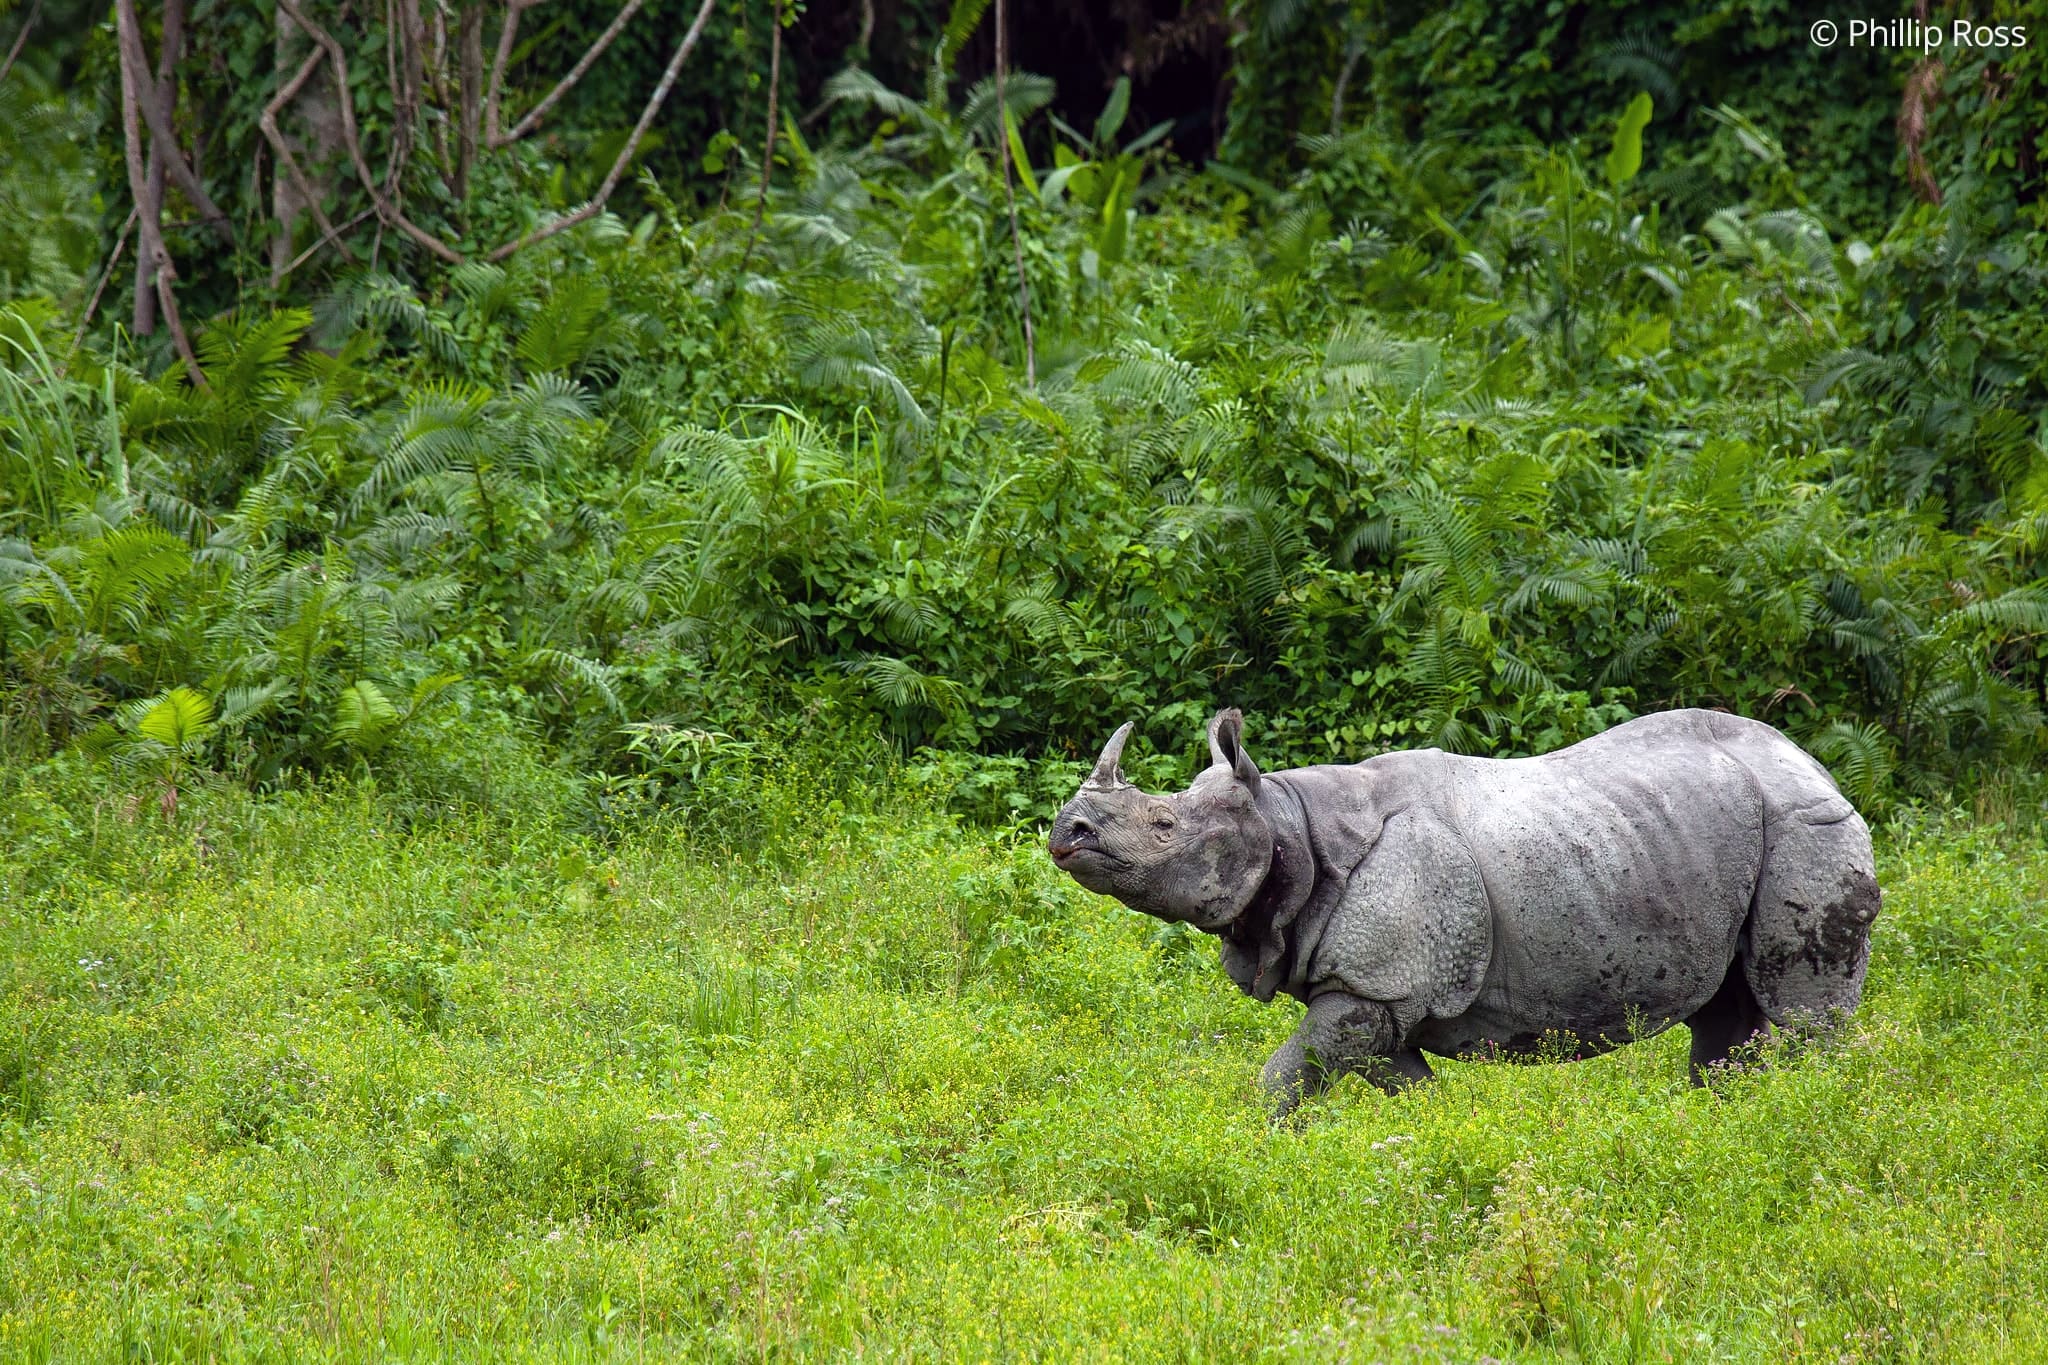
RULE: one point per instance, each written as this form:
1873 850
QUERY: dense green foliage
293 1083
49 232
1479 76
1491 476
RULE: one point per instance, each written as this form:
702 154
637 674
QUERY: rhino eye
1162 821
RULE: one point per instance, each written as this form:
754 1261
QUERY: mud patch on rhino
1838 938
1833 939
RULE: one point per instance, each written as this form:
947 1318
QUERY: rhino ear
1226 746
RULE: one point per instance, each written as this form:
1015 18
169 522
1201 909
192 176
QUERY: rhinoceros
1690 865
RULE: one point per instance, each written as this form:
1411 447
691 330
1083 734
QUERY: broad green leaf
1115 219
1626 158
1056 183
1148 137
795 148
1113 112
1023 162
1242 180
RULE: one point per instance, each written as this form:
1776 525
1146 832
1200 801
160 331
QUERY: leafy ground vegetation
1484 451
295 1081
532 658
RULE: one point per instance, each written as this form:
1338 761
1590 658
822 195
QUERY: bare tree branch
267 120
562 87
1010 194
1351 60
92 305
129 32
386 210
437 63
394 85
1923 88
148 215
332 235
148 203
611 179
508 34
21 39
165 277
767 152
434 62
414 72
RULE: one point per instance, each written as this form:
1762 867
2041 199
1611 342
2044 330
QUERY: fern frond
1628 661
899 684
559 336
2023 610
566 667
1859 756
1138 373
840 352
1024 94
1637 59
855 85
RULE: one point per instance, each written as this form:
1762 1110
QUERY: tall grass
41 459
1001 1119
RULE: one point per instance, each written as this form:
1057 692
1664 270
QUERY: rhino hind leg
1809 928
1726 1022
1397 1071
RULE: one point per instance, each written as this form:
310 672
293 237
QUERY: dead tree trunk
306 151
471 42
768 149
1010 195
143 322
137 86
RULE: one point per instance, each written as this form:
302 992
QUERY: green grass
290 1082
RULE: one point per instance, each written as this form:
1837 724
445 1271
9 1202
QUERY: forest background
1470 375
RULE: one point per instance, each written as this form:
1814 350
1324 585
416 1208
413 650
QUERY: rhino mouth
1068 856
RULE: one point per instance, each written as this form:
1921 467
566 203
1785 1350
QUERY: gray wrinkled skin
1690 866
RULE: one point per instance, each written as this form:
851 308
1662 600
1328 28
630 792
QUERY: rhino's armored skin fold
1690 866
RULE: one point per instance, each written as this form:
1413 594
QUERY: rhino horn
1107 775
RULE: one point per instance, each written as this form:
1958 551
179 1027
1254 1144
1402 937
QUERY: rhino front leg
1341 1033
